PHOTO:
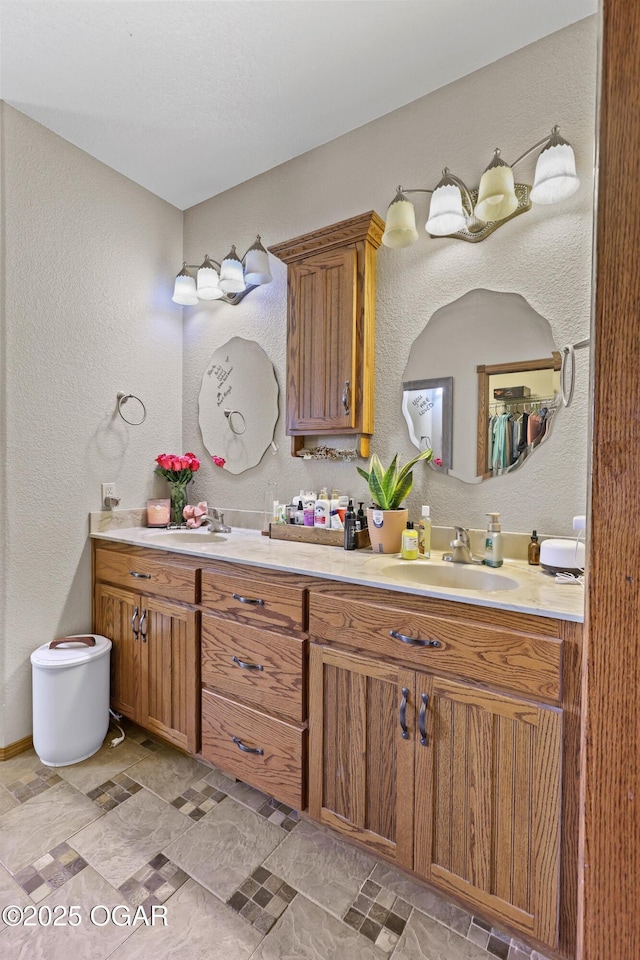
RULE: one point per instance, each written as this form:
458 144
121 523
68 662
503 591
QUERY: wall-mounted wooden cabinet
331 330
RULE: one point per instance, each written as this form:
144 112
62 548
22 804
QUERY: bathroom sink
188 536
453 575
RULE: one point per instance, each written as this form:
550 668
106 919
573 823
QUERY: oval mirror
481 386
238 404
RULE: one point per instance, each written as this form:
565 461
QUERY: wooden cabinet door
169 672
488 802
117 616
322 383
360 765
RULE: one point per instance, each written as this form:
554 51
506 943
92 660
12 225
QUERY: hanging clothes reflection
514 429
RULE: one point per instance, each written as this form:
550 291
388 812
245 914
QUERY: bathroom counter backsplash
537 592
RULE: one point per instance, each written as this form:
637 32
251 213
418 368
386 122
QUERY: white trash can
70 698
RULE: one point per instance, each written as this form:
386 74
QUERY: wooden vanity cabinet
444 767
155 652
253 661
331 329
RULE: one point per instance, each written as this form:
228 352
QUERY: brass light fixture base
478 230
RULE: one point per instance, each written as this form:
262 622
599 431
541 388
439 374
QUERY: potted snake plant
388 488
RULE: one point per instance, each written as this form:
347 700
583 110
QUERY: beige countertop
536 592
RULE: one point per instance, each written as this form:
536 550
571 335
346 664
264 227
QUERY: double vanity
427 711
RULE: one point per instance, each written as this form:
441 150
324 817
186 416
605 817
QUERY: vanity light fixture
229 281
472 214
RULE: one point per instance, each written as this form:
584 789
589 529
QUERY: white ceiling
190 98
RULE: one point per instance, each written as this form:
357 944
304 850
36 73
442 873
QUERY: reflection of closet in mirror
516 402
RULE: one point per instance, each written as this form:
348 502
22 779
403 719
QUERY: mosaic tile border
379 915
50 871
198 799
113 792
33 783
154 883
261 899
280 814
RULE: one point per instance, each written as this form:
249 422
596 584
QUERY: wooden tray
328 538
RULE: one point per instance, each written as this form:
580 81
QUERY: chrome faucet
216 522
461 545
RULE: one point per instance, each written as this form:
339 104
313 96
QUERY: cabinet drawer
277 770
171 580
266 669
255 601
516 661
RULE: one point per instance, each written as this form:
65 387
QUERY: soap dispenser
493 542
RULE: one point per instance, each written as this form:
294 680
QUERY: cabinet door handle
242 746
247 666
143 633
139 576
236 596
422 719
134 628
403 713
345 396
416 643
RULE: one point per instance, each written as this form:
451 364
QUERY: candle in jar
158 513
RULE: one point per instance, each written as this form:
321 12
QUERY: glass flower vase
179 500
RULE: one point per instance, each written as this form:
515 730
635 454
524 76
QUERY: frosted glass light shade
231 273
496 194
400 227
256 265
184 290
446 213
555 177
207 283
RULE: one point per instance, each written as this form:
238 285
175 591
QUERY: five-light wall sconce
473 214
229 281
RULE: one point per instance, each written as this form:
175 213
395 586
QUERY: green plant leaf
424 455
363 473
403 489
390 479
377 491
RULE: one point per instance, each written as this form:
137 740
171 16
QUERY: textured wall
544 255
87 313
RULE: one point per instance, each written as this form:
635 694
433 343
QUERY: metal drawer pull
139 576
345 397
236 596
247 666
143 633
403 713
242 746
422 719
416 643
134 628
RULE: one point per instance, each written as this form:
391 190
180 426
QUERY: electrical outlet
107 490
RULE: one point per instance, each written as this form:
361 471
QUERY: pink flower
437 461
165 461
194 463
219 461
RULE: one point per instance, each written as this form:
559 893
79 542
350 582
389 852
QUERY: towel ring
122 399
240 422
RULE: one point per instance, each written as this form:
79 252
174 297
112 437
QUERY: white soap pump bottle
493 542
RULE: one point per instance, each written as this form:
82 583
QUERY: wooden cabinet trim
366 226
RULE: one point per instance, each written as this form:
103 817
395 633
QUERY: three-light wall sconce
473 214
229 281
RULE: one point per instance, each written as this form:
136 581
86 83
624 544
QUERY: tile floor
226 873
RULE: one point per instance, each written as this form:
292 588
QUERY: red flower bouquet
179 472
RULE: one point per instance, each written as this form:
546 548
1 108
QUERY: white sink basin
187 536
455 576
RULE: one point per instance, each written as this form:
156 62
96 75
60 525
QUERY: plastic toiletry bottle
362 517
534 550
321 511
493 542
350 528
308 515
336 522
409 549
300 512
424 533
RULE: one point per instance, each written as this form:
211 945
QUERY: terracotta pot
385 529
